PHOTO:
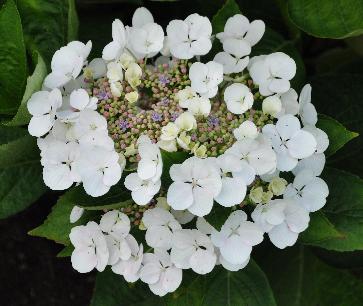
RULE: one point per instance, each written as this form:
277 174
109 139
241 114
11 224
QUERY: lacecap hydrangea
238 134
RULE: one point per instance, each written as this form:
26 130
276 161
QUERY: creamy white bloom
238 98
186 121
260 156
272 73
116 223
150 165
58 160
80 48
76 214
169 131
234 188
236 238
283 220
160 273
160 225
114 49
308 190
142 191
198 106
247 129
43 106
114 72
289 141
90 248
95 69
193 249
205 78
272 105
195 185
141 17
232 63
168 145
130 268
99 169
240 30
185 94
307 111
189 37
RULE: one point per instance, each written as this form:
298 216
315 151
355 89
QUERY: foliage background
324 269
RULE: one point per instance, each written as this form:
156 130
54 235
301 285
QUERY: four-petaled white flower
142 191
160 273
236 238
150 165
190 37
247 129
43 106
90 248
238 98
289 141
308 190
272 73
160 225
193 249
115 48
196 184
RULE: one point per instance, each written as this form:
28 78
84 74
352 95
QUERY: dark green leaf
320 229
340 96
66 252
344 209
218 216
337 133
327 18
112 290
229 9
34 83
20 172
13 65
298 278
47 25
73 22
169 159
57 225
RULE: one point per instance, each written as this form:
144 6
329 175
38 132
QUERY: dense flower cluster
239 123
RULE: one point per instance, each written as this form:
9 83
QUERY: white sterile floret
146 40
43 106
80 48
160 273
320 136
114 49
90 248
142 191
238 98
283 220
272 73
195 185
308 190
239 29
247 129
289 103
141 17
116 223
76 102
307 111
234 188
198 106
76 214
315 163
66 65
169 131
253 154
193 249
160 225
289 141
114 72
236 238
189 37
95 69
272 105
205 78
185 94
99 169
150 165
232 63
186 121
130 267
58 160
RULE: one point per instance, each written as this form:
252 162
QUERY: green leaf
229 9
247 287
66 252
337 133
298 278
327 18
47 24
20 171
275 42
218 216
73 22
344 209
57 225
339 96
320 229
34 83
13 64
112 290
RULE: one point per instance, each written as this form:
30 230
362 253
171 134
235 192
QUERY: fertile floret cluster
233 128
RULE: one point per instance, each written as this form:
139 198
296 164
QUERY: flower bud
116 89
168 145
132 97
169 132
186 121
256 194
277 185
